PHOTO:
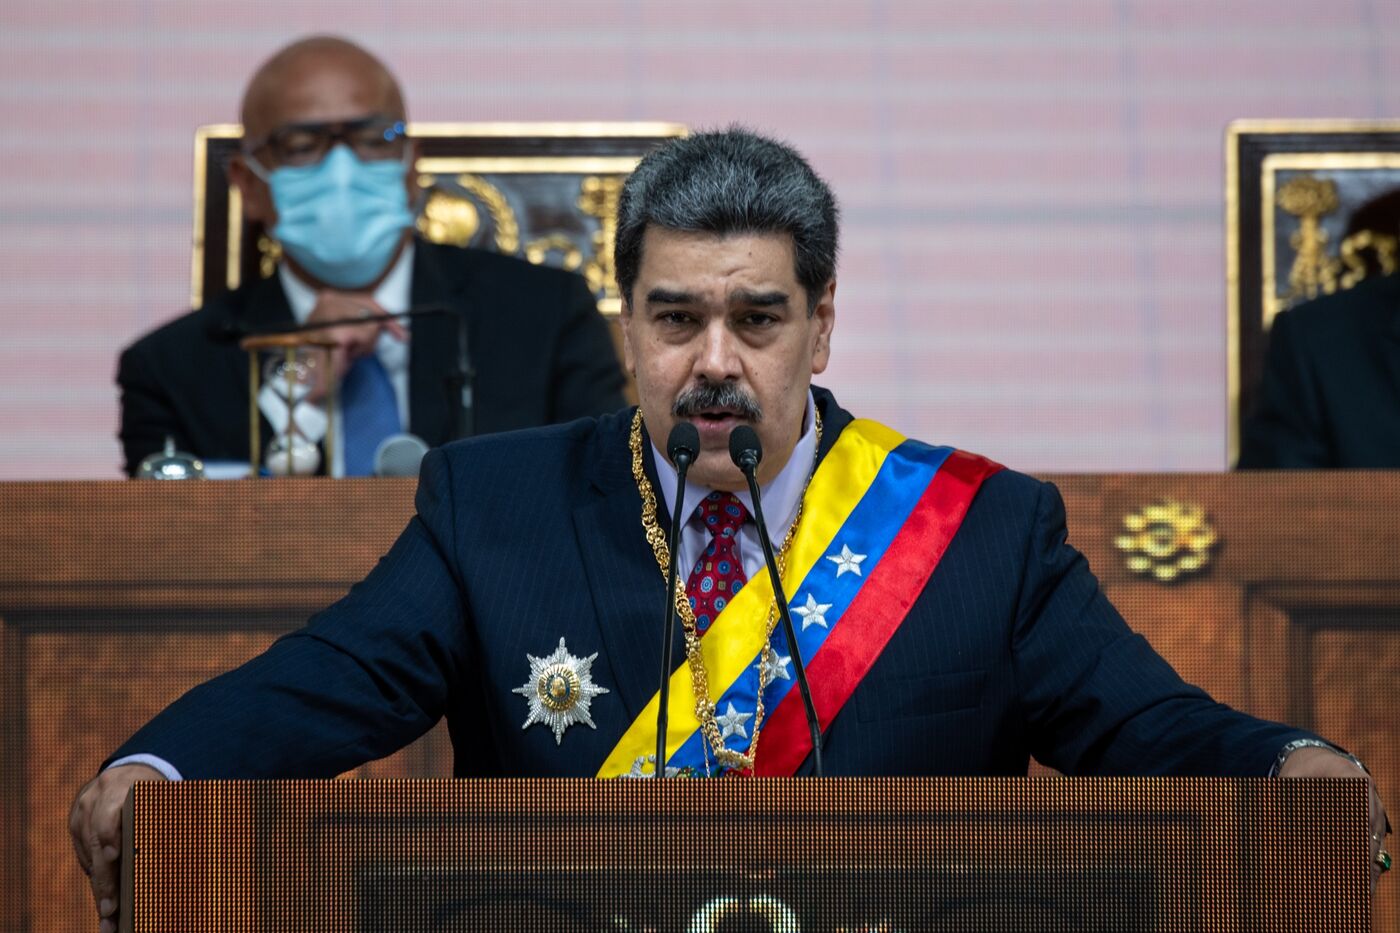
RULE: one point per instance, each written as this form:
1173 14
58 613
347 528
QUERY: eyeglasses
373 139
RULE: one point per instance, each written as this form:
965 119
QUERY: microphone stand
460 384
230 331
682 447
745 451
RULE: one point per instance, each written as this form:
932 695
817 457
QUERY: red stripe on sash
893 587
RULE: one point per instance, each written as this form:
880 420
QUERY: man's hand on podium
95 823
1317 762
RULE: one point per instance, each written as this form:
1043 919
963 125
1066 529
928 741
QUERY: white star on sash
845 561
777 669
814 612
732 723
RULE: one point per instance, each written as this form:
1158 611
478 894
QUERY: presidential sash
877 516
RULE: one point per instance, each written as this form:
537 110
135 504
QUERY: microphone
682 447
399 455
746 452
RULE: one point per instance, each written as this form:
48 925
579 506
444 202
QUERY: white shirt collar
781 496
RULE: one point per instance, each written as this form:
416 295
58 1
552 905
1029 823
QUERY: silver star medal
560 691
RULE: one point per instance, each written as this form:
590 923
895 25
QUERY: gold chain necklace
699 679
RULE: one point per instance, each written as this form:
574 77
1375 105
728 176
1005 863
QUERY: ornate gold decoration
695 660
269 255
1383 246
1310 198
448 219
1313 272
537 250
452 219
598 197
1166 540
558 687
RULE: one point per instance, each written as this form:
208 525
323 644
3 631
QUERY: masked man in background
326 168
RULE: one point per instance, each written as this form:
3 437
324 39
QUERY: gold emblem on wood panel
598 197
1382 246
1166 540
570 256
1313 271
269 255
1309 198
451 219
448 219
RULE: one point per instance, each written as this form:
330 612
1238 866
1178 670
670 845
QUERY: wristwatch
1296 744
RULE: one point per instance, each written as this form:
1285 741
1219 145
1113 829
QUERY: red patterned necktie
719 573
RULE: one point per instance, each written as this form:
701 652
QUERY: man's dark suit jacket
1331 391
541 352
523 539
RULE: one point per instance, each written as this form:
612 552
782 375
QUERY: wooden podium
787 856
116 597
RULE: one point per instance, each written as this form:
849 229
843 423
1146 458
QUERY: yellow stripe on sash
737 634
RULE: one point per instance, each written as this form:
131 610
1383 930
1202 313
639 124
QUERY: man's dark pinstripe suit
522 539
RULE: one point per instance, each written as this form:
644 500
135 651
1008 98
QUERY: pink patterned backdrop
1034 248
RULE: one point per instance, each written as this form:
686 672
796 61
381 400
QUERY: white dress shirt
781 497
394 296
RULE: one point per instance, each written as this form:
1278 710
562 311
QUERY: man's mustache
707 395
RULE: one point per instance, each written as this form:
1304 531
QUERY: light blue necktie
371 413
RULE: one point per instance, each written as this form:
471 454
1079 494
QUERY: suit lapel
623 578
834 420
433 348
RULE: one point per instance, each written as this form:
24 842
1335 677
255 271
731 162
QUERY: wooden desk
117 597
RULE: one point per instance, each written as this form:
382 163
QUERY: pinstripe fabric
524 538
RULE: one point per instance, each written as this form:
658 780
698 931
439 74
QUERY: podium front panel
731 855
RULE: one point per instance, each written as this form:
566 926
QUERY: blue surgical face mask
341 219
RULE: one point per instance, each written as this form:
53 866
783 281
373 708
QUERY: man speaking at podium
944 625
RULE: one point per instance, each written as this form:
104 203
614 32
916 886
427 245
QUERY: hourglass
292 383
